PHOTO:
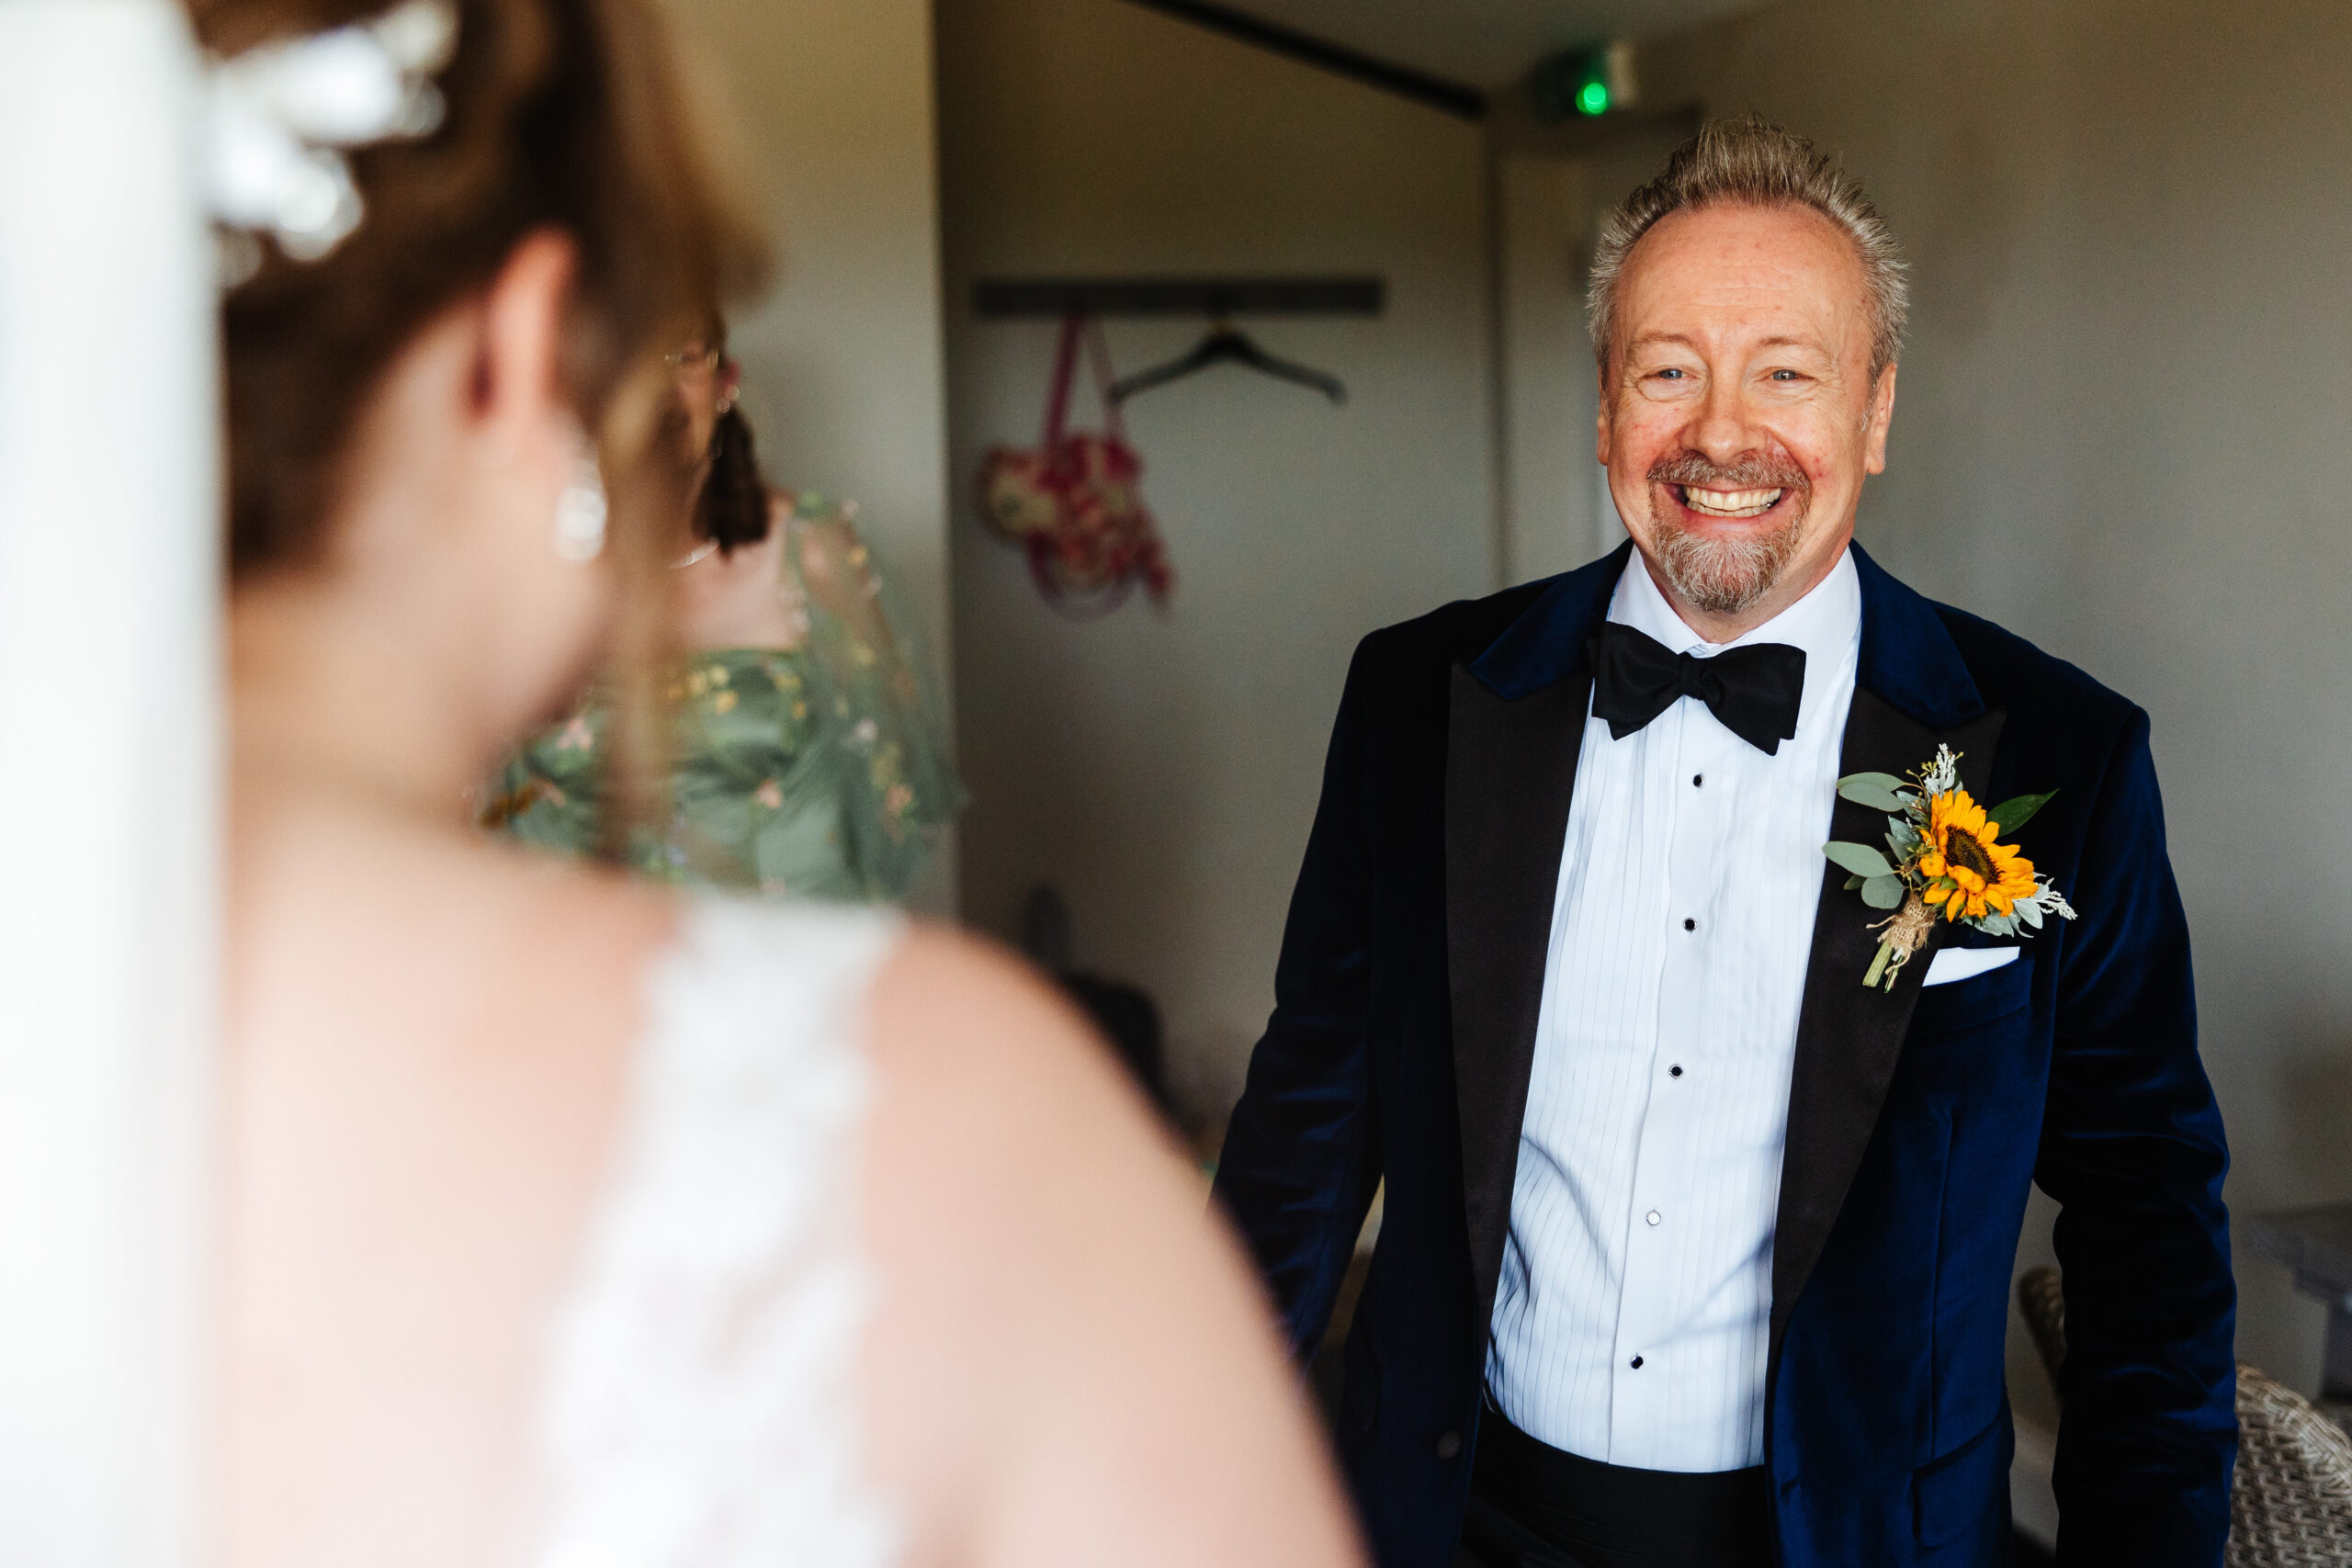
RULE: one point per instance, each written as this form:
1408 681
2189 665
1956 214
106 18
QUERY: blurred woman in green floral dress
806 755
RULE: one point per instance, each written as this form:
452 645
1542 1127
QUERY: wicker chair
2291 1504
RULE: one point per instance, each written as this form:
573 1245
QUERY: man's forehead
1790 230
1825 338
1769 275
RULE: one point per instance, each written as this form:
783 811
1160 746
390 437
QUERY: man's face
1738 415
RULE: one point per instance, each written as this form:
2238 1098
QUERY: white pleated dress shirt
1630 1324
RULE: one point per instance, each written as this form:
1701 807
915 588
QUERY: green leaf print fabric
815 770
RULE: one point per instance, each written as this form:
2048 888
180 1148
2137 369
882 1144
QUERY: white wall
1547 406
1558 513
1162 770
2122 433
829 106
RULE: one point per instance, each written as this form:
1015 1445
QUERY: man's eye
1669 375
1784 374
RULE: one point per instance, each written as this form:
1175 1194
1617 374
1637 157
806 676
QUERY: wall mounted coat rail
1035 298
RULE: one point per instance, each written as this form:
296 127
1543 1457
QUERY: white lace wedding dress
700 1408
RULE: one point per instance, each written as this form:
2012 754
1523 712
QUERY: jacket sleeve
2132 1150
1302 1157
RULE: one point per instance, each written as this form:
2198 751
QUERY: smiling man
1697 1247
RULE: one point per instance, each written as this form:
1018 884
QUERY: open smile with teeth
1729 502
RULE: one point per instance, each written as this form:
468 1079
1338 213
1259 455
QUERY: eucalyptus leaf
1884 892
2012 815
1879 791
1854 882
1860 859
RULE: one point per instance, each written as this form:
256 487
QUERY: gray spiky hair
1754 162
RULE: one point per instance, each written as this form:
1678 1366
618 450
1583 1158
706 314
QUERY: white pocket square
1952 963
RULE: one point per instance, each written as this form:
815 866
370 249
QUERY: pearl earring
581 510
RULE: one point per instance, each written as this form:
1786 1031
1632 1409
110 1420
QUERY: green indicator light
1578 84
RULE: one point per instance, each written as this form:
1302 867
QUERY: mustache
1749 470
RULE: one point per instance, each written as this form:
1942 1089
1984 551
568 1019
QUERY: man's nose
1722 429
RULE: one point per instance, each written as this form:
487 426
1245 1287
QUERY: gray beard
1724 576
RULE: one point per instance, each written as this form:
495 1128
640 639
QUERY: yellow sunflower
1960 852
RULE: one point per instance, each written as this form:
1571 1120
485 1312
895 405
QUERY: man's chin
1726 566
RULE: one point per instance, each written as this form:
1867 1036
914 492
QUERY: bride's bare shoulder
1003 1129
945 991
434 930
982 1053
1060 1318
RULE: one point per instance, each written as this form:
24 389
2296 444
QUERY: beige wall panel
1162 770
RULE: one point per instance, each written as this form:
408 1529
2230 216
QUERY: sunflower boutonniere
1941 858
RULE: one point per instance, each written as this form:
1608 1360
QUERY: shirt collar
1827 623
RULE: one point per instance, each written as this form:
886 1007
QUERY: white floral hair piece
280 115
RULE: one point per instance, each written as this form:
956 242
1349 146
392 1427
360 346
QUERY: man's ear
1881 418
1601 420
518 375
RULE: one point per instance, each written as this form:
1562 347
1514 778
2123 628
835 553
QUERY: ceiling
1485 43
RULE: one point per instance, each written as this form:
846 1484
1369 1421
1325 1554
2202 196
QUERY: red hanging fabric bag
1075 504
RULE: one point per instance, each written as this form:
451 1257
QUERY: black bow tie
1754 691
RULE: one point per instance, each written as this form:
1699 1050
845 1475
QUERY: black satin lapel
1510 769
1849 1037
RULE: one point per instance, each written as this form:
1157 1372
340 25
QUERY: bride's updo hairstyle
562 114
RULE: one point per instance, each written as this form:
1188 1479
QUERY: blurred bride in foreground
566 1221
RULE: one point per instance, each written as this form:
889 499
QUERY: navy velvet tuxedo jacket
1399 1049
